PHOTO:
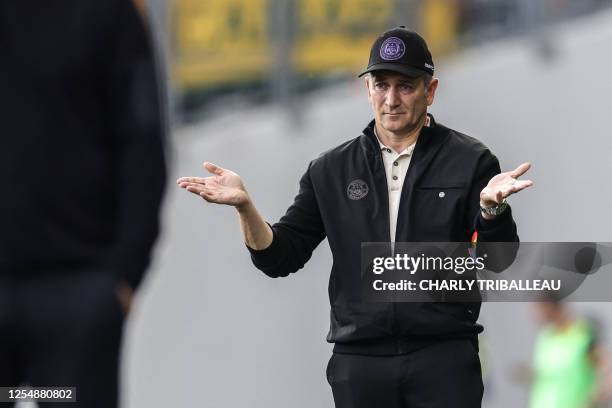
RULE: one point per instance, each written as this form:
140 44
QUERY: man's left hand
504 185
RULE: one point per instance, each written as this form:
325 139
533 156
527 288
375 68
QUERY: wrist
486 216
489 211
245 207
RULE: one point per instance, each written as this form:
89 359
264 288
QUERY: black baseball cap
400 50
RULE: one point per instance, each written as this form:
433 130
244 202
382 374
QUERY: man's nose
392 97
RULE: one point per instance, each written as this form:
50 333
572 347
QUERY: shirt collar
407 150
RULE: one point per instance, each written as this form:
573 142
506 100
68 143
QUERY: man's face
399 102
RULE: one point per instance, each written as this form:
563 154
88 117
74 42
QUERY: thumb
213 168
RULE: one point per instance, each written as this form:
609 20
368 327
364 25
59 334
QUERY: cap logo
357 189
392 49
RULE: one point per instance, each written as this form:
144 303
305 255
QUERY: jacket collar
371 136
373 143
428 143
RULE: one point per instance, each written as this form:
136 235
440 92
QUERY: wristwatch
495 210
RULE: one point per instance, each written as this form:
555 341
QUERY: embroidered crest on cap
357 189
392 49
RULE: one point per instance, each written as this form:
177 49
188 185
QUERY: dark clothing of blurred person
82 127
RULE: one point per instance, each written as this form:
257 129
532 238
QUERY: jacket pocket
438 211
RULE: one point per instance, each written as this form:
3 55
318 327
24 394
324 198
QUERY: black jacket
81 154
443 160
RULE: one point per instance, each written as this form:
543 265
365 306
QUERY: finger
208 196
213 168
520 170
521 185
201 180
185 184
197 188
506 192
208 182
207 193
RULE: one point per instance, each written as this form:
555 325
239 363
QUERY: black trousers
444 374
62 330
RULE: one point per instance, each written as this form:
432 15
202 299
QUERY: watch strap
495 210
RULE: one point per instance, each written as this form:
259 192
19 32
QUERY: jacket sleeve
137 129
295 236
500 229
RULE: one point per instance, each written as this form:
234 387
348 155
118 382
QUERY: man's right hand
223 187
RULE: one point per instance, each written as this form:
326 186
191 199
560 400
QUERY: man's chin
392 126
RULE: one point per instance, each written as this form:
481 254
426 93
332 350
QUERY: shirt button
395 163
394 177
388 150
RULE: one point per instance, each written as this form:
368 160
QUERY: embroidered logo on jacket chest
357 189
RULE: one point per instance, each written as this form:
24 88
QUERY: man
406 178
81 127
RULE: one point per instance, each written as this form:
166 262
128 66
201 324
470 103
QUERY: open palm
503 185
223 187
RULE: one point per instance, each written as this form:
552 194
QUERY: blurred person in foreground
81 128
407 178
569 364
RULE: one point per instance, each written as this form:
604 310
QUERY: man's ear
367 84
431 91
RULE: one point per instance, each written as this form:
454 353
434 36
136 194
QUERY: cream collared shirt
396 167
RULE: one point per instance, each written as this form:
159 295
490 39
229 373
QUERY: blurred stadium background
264 86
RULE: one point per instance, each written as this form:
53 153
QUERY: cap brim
399 68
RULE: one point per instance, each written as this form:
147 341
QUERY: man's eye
406 87
380 85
